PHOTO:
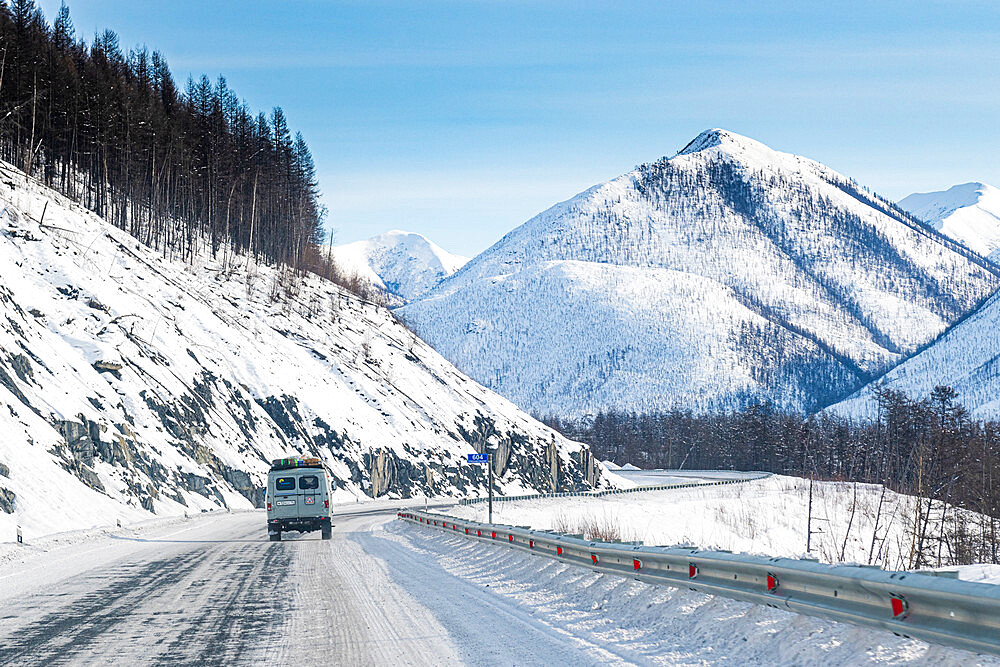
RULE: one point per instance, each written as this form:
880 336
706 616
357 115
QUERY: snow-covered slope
402 263
966 358
727 273
968 213
131 382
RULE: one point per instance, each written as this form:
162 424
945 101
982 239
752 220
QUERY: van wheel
275 537
327 532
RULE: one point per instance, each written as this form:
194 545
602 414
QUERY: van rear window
309 482
284 484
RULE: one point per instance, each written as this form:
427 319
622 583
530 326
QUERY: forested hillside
174 168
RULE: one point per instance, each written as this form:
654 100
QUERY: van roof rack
296 462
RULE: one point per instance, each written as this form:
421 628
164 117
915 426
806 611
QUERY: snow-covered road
217 593
213 591
210 591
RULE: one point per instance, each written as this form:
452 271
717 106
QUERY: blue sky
461 120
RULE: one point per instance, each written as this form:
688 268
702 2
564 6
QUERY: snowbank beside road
851 523
616 620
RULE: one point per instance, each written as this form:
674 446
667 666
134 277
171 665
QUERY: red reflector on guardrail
510 538
531 544
772 583
466 531
593 557
692 570
479 533
636 564
559 551
899 606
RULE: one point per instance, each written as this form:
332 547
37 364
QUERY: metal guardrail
946 611
616 492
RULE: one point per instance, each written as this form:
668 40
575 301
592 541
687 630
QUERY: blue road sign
479 458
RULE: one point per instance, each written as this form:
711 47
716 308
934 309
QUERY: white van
298 497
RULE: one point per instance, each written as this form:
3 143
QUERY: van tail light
326 504
269 507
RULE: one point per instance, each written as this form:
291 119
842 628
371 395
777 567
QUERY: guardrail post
20 538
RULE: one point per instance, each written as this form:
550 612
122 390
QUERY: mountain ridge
405 264
850 283
969 213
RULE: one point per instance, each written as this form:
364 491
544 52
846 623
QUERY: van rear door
285 495
310 493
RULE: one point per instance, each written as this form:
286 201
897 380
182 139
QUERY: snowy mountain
966 358
133 383
968 213
727 273
402 263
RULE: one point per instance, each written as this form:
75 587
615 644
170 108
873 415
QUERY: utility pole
809 519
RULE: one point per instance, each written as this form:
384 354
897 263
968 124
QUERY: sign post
485 458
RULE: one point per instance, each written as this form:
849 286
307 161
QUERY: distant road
653 477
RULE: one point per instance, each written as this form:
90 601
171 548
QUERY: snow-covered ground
639 477
766 517
610 619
